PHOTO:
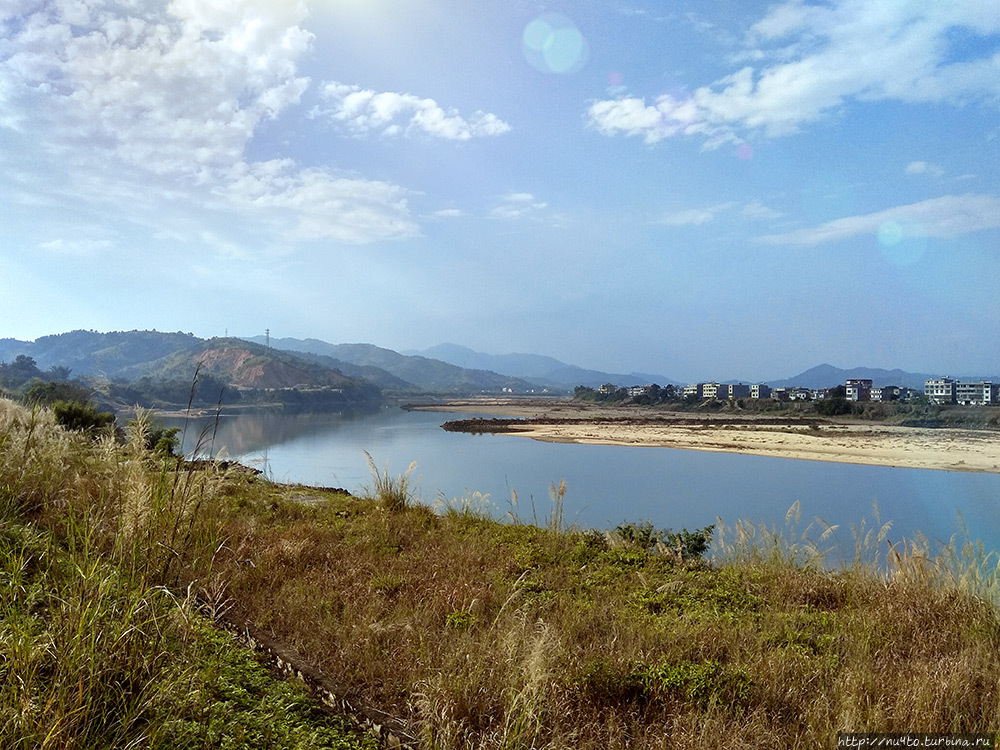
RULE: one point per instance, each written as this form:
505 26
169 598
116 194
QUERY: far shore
813 439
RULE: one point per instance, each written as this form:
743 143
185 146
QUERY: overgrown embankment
470 632
483 634
105 553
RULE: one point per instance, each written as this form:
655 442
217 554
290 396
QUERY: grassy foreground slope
101 644
473 633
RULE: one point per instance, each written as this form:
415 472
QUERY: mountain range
257 362
410 372
538 368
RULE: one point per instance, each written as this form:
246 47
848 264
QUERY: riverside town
936 390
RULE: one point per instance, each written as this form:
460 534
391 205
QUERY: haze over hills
93 353
422 372
290 362
158 369
538 368
824 376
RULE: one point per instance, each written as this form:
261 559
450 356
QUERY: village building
982 393
886 393
859 389
940 390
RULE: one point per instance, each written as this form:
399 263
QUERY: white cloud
518 206
318 204
757 210
447 213
817 58
80 247
921 168
946 217
693 216
364 111
147 99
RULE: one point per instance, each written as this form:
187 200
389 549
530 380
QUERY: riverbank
807 438
445 627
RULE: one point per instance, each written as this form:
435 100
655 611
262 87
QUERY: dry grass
483 634
101 549
478 634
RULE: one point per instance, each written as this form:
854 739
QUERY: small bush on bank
82 417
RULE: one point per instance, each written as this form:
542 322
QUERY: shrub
690 544
82 417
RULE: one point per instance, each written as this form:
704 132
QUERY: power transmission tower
267 337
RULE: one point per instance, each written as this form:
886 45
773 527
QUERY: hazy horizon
622 369
748 188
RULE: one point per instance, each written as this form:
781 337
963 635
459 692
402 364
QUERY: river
606 485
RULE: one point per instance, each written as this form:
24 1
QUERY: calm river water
607 485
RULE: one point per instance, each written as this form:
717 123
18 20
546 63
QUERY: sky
700 190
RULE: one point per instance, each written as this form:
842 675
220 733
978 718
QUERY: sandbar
811 439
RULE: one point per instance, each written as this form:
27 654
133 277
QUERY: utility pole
267 337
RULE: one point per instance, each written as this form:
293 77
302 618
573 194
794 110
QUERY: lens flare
901 244
744 152
553 44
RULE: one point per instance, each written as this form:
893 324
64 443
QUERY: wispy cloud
80 247
693 216
946 217
447 213
363 111
757 210
518 206
815 59
915 168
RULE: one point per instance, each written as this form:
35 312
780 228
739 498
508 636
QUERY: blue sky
704 190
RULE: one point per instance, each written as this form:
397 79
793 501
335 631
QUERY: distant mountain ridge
827 376
417 371
148 365
538 368
93 353
130 355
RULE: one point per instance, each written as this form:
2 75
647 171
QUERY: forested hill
134 356
94 353
158 369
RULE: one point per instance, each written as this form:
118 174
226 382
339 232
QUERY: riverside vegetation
474 633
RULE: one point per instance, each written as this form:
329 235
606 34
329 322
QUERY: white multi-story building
639 390
710 390
760 390
983 393
940 390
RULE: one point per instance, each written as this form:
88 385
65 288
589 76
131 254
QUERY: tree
19 372
46 393
58 372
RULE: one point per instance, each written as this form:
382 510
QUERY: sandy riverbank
813 439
